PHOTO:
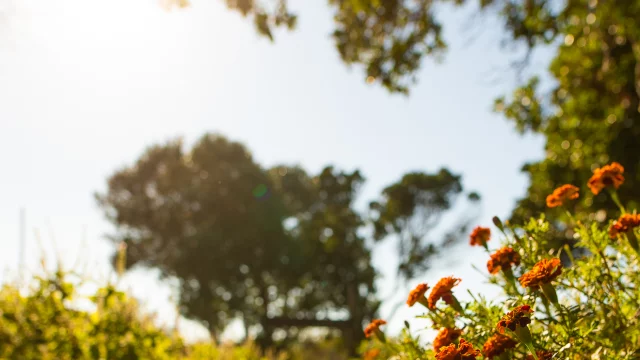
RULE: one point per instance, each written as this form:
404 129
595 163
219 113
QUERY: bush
47 324
586 309
44 324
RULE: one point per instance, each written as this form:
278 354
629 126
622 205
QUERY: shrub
44 324
587 308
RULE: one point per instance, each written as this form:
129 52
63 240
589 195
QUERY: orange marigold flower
445 337
545 271
520 316
373 326
608 175
442 290
480 236
542 355
497 344
464 351
417 294
502 259
626 222
371 354
562 194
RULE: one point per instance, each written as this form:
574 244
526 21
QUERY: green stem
616 199
547 308
423 301
550 293
524 335
633 241
532 351
455 304
508 274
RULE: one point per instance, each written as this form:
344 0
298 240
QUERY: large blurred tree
206 217
277 248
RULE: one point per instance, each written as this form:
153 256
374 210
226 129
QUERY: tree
215 220
340 276
411 209
206 217
590 117
277 248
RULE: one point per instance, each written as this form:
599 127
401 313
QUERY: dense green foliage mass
42 325
53 319
276 248
589 116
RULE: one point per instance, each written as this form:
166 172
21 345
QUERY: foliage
276 248
204 217
43 324
590 116
54 319
586 310
410 209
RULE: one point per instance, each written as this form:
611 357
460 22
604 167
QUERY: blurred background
281 169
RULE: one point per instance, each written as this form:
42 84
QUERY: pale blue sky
86 85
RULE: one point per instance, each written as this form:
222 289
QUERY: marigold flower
445 337
442 290
504 258
373 327
464 351
626 223
542 273
562 194
520 316
608 175
371 354
542 355
498 344
480 236
417 294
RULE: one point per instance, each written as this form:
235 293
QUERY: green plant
53 320
586 309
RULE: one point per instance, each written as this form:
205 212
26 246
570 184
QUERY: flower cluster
464 351
624 224
504 258
445 337
513 336
608 175
562 194
371 354
373 327
542 273
442 290
497 344
520 316
480 236
417 294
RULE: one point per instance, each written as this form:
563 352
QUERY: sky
87 85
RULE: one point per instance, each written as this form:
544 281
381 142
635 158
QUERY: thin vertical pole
23 239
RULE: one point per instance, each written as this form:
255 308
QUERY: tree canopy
589 117
275 247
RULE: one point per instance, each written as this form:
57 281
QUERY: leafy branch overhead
588 113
